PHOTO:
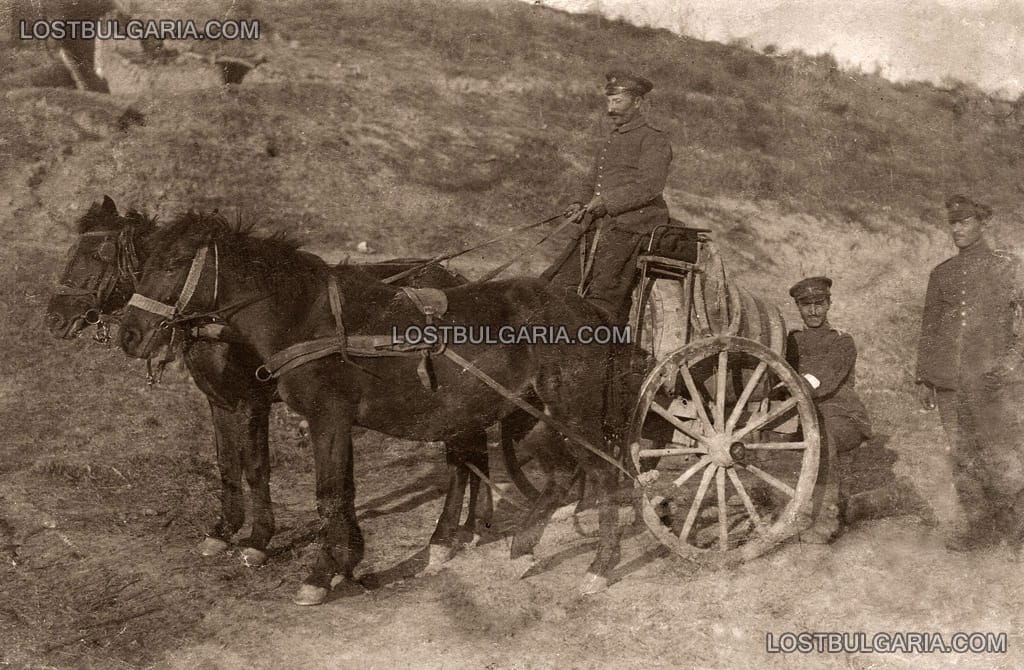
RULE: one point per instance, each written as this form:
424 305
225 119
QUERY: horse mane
275 252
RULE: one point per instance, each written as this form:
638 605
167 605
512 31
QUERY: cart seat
671 250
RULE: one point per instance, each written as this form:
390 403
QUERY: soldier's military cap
619 81
960 207
811 289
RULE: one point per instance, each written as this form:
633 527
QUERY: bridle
177 317
123 267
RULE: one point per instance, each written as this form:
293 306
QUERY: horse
99 279
273 297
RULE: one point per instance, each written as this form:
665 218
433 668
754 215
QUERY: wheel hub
720 450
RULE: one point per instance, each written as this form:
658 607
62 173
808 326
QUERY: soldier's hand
575 212
597 207
926 396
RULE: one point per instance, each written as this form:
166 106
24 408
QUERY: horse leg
339 539
481 501
442 541
256 459
559 478
608 552
232 504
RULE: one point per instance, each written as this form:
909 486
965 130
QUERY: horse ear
108 205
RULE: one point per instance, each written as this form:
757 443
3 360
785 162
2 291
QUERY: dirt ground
403 137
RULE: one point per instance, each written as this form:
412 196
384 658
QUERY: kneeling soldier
826 358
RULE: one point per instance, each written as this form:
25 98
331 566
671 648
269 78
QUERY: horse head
179 274
99 275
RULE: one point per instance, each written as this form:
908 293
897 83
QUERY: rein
447 257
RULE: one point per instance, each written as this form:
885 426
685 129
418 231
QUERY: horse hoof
593 584
522 565
310 595
211 546
437 556
253 558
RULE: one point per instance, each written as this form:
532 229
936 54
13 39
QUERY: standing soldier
620 202
826 358
969 366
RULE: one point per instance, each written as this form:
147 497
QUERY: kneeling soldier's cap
811 289
619 81
960 207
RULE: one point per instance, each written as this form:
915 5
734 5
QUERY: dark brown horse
273 296
99 279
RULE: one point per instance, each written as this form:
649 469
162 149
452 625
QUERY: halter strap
195 273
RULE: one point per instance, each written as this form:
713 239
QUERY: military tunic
831 357
969 310
629 173
969 351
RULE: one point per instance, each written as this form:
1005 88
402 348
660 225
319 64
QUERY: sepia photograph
511 334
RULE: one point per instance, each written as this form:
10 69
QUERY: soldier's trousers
840 435
613 273
987 454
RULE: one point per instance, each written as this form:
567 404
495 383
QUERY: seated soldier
826 358
619 204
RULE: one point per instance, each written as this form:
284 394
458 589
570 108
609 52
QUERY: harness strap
361 346
430 302
195 272
588 264
149 305
334 295
562 428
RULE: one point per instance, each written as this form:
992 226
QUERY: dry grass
421 127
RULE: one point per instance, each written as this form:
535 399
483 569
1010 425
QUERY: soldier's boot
829 500
969 534
828 524
975 526
893 499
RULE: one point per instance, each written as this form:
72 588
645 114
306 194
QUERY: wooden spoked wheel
734 433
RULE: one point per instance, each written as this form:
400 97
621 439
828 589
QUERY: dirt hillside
421 128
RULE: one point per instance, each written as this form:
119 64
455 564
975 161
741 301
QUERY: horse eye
107 252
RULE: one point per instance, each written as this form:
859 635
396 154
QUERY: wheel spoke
723 519
720 378
691 516
741 491
780 485
693 469
776 446
677 424
763 419
670 451
748 390
695 395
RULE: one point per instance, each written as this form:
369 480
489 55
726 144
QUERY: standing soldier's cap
960 207
619 81
811 289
